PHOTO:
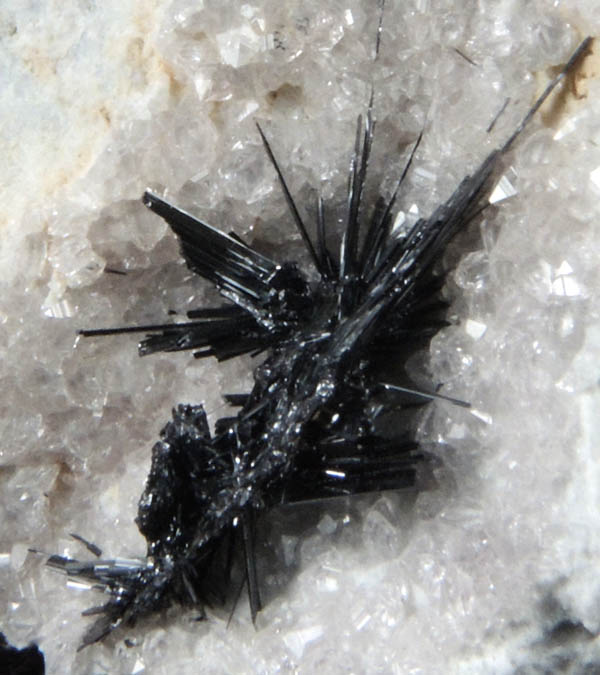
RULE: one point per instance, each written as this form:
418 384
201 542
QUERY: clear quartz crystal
474 574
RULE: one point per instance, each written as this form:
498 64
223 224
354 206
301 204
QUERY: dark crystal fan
316 423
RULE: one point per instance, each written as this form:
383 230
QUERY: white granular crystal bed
495 569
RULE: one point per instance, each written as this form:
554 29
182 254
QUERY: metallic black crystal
320 420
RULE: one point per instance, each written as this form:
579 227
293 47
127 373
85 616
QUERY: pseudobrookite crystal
479 575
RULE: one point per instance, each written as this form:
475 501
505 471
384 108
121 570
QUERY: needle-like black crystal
315 423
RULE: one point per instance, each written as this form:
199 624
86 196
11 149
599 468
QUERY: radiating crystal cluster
493 568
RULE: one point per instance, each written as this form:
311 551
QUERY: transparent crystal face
467 577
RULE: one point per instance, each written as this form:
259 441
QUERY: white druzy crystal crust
495 569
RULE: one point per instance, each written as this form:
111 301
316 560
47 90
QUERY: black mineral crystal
26 661
326 416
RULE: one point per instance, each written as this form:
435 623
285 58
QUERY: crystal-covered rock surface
494 569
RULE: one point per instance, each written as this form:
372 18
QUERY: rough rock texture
495 570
